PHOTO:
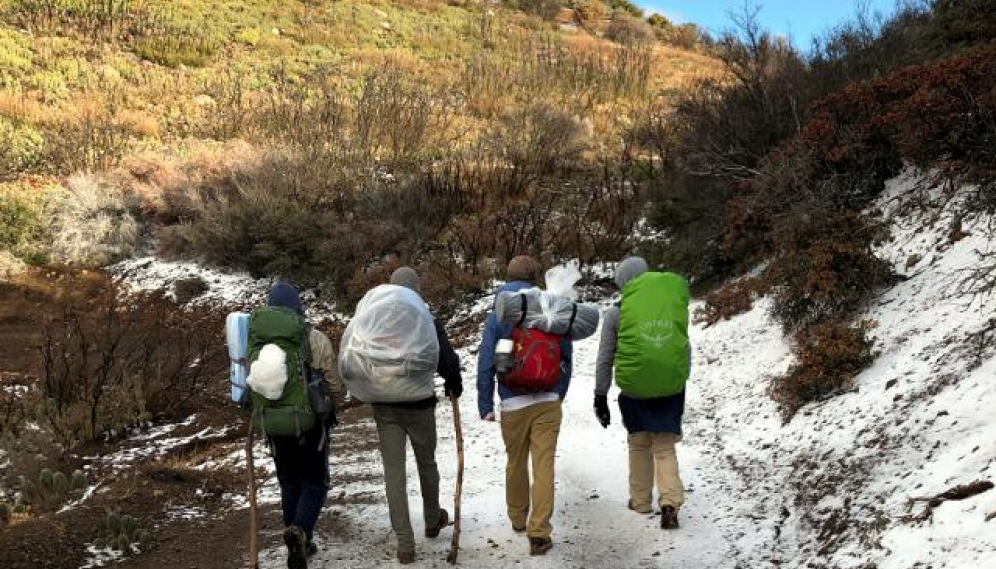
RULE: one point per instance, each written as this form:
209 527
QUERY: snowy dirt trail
592 526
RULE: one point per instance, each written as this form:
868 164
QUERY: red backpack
536 361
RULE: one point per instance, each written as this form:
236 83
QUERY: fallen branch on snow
953 494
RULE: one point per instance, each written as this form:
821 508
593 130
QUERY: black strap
525 306
574 314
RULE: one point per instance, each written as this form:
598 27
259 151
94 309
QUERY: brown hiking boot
297 548
444 520
669 517
540 545
406 557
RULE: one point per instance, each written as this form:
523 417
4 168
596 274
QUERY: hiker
530 422
653 423
301 459
415 420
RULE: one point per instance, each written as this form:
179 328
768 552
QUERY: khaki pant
650 453
395 426
531 431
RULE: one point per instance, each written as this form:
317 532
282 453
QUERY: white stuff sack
389 351
268 374
547 312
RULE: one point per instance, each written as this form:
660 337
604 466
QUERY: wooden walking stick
455 544
253 517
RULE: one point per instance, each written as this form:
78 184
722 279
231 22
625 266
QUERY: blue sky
799 19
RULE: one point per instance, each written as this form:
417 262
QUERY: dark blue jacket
494 331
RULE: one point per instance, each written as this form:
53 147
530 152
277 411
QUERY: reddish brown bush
829 356
825 268
735 298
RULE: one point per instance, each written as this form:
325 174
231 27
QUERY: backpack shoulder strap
574 315
525 306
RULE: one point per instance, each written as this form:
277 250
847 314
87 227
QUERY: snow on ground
155 444
227 289
828 489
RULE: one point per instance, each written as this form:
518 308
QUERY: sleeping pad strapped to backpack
279 393
652 348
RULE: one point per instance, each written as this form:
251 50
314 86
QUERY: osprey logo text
657 333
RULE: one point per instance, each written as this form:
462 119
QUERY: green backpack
291 415
652 348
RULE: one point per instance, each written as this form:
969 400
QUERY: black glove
602 410
453 389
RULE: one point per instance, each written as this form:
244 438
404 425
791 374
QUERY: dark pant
303 474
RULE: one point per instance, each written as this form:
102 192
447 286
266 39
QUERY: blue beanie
285 295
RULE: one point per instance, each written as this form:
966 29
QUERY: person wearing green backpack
644 345
291 378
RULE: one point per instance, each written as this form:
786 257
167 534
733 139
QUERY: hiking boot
312 549
540 545
297 548
669 517
406 557
444 520
641 509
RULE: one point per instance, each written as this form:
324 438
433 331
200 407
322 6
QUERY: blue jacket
494 331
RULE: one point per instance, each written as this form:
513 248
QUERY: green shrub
20 147
829 356
21 222
173 47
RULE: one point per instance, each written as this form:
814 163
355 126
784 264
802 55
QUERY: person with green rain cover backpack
644 344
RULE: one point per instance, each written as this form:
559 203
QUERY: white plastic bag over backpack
389 351
552 310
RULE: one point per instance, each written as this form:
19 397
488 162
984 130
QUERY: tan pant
531 431
650 452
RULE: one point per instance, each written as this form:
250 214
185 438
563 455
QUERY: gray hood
629 269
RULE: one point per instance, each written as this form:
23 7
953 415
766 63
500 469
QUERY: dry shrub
829 356
590 13
731 300
110 360
629 30
92 223
10 265
93 135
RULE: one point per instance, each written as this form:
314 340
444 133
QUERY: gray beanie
406 277
629 269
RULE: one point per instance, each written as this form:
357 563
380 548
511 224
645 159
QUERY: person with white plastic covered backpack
645 345
390 354
530 410
291 379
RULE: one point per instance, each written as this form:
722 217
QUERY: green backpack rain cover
652 345
291 415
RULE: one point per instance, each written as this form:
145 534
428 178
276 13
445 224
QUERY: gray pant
395 425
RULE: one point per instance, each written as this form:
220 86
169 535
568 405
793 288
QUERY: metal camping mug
503 356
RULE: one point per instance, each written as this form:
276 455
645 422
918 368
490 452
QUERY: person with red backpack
530 409
645 345
292 378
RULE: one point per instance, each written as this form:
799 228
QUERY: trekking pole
455 544
253 518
